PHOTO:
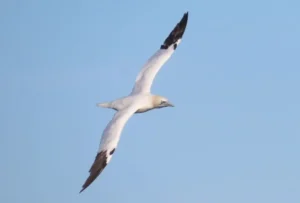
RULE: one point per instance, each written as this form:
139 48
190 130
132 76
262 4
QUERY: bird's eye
162 102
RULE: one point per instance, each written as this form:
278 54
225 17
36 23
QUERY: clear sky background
233 136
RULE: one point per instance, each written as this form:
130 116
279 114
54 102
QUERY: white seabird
140 100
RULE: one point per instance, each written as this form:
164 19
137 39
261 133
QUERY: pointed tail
104 105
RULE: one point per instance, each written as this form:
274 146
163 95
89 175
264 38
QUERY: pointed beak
170 104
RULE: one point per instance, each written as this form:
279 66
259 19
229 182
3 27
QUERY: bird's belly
143 110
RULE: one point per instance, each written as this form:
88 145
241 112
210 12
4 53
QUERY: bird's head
161 102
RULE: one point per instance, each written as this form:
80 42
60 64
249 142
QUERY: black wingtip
176 33
81 190
95 170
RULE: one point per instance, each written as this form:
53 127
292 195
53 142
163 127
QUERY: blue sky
232 137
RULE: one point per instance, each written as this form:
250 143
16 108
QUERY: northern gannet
139 100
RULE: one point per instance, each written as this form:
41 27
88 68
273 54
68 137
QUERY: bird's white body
139 100
142 101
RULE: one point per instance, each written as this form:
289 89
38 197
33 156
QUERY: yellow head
160 102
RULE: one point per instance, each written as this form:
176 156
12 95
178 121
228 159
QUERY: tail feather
104 105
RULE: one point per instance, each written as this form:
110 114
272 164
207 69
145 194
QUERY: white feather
112 132
146 76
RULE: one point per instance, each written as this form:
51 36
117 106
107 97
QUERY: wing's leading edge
146 76
108 144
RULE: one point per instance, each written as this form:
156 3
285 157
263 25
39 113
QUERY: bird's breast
143 110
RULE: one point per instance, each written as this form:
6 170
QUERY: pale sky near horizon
233 136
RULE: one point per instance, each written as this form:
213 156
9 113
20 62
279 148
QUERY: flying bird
140 100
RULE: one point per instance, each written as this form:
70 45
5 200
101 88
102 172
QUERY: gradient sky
233 136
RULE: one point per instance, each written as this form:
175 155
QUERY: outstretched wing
146 76
108 144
